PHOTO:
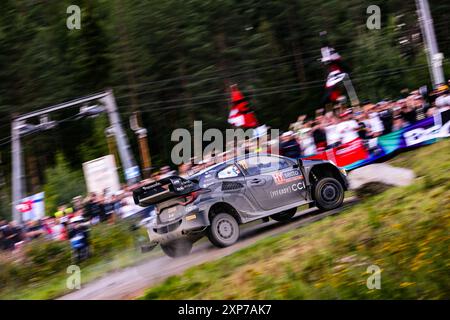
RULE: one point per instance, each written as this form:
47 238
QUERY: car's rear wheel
328 194
285 215
224 230
177 248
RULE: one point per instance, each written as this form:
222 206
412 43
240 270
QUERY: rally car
215 201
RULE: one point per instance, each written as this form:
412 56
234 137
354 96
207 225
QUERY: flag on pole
332 60
240 114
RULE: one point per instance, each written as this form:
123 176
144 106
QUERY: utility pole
129 166
434 57
110 138
141 133
144 151
17 170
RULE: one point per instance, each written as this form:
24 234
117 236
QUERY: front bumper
191 223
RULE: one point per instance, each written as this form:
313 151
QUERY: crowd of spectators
329 129
306 136
93 209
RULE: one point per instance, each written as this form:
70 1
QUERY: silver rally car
215 201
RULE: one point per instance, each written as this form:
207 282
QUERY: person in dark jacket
289 147
79 238
319 136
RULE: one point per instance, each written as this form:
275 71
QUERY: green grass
55 286
404 231
39 271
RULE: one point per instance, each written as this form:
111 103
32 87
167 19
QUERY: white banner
101 175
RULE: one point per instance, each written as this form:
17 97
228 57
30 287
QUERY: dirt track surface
132 282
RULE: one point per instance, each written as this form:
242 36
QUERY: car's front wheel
328 194
177 248
224 230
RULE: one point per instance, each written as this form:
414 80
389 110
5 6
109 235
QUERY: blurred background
169 63
173 61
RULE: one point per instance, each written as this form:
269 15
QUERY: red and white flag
240 114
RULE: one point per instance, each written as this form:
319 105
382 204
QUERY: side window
230 171
264 164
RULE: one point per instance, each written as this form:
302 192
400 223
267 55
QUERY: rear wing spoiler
164 189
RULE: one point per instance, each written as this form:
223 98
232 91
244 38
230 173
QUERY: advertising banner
32 207
101 175
358 153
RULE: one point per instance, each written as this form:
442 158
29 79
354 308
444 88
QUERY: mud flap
148 247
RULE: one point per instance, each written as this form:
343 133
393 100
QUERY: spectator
363 131
183 169
373 121
79 238
442 101
165 172
93 209
7 234
33 229
398 123
332 135
306 141
319 136
386 116
407 113
347 129
16 233
298 125
59 231
289 146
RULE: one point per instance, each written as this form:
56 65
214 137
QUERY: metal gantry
20 128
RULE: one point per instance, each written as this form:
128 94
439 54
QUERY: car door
273 181
232 189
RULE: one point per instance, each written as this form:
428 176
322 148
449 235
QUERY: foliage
111 238
173 61
44 259
62 185
95 146
408 239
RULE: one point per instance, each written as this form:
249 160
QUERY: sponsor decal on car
287 176
180 185
291 188
209 179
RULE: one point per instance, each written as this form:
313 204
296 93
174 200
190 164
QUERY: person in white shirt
333 136
347 129
307 142
376 126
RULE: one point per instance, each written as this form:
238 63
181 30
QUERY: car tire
224 230
328 194
177 248
285 215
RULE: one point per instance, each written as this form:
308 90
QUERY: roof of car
235 159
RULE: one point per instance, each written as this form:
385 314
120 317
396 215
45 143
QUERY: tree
174 60
63 183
